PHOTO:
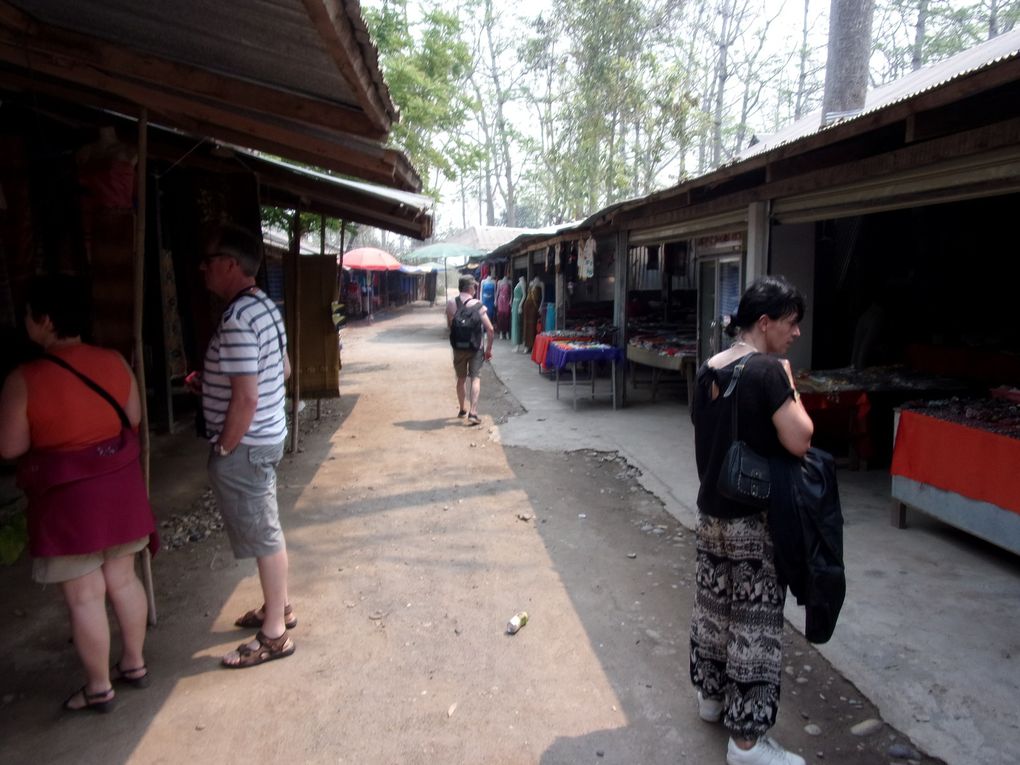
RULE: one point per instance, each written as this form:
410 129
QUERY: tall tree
495 81
846 70
427 65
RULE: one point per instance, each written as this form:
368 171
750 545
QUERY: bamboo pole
322 253
295 253
139 348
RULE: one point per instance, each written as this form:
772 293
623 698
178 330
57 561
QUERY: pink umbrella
370 259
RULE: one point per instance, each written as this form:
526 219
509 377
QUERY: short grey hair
241 244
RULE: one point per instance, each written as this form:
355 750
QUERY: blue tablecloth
561 354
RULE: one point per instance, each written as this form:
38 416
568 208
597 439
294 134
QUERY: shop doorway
719 284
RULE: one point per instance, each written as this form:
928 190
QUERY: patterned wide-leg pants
737 624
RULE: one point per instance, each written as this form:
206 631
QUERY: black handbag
744 476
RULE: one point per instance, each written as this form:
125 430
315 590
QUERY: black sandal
474 419
123 676
90 700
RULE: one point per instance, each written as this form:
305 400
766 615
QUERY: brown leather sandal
252 620
267 649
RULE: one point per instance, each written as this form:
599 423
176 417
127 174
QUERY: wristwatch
221 451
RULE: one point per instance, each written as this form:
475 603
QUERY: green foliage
616 99
950 26
589 102
276 217
13 537
426 66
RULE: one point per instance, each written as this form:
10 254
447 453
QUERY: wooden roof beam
337 32
340 153
116 60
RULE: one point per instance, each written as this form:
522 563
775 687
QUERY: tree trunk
993 19
798 110
917 59
490 206
846 70
502 134
721 73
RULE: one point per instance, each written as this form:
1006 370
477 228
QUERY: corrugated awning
296 78
289 186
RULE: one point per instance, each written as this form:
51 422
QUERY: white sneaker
765 752
709 710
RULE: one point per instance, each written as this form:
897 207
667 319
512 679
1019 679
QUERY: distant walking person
243 400
736 658
467 320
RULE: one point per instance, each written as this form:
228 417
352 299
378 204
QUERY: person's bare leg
462 392
128 598
273 577
86 604
476 389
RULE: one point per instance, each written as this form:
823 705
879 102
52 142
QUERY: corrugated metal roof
1005 46
267 41
295 78
532 238
417 202
485 238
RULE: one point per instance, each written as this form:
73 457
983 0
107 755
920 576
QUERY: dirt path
413 539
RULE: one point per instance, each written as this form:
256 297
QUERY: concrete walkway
929 631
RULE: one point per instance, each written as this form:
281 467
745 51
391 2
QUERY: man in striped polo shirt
243 400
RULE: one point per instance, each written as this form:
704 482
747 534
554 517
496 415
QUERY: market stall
542 340
563 353
956 460
853 407
667 352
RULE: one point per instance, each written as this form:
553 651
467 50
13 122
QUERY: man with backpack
467 320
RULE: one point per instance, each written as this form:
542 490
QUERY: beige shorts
64 568
468 363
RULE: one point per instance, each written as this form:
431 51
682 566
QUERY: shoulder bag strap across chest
732 389
124 421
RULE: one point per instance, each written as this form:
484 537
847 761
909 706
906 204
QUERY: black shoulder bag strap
124 421
732 388
276 327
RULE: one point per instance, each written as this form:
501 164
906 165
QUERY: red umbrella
370 259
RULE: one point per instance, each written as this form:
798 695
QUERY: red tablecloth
541 347
843 414
968 461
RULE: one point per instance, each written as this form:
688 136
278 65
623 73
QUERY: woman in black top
737 624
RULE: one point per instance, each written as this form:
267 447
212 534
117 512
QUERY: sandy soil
413 539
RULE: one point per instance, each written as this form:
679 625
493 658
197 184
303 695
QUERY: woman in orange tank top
83 533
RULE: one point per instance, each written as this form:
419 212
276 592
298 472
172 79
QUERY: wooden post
621 273
295 341
757 242
561 285
322 253
136 328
